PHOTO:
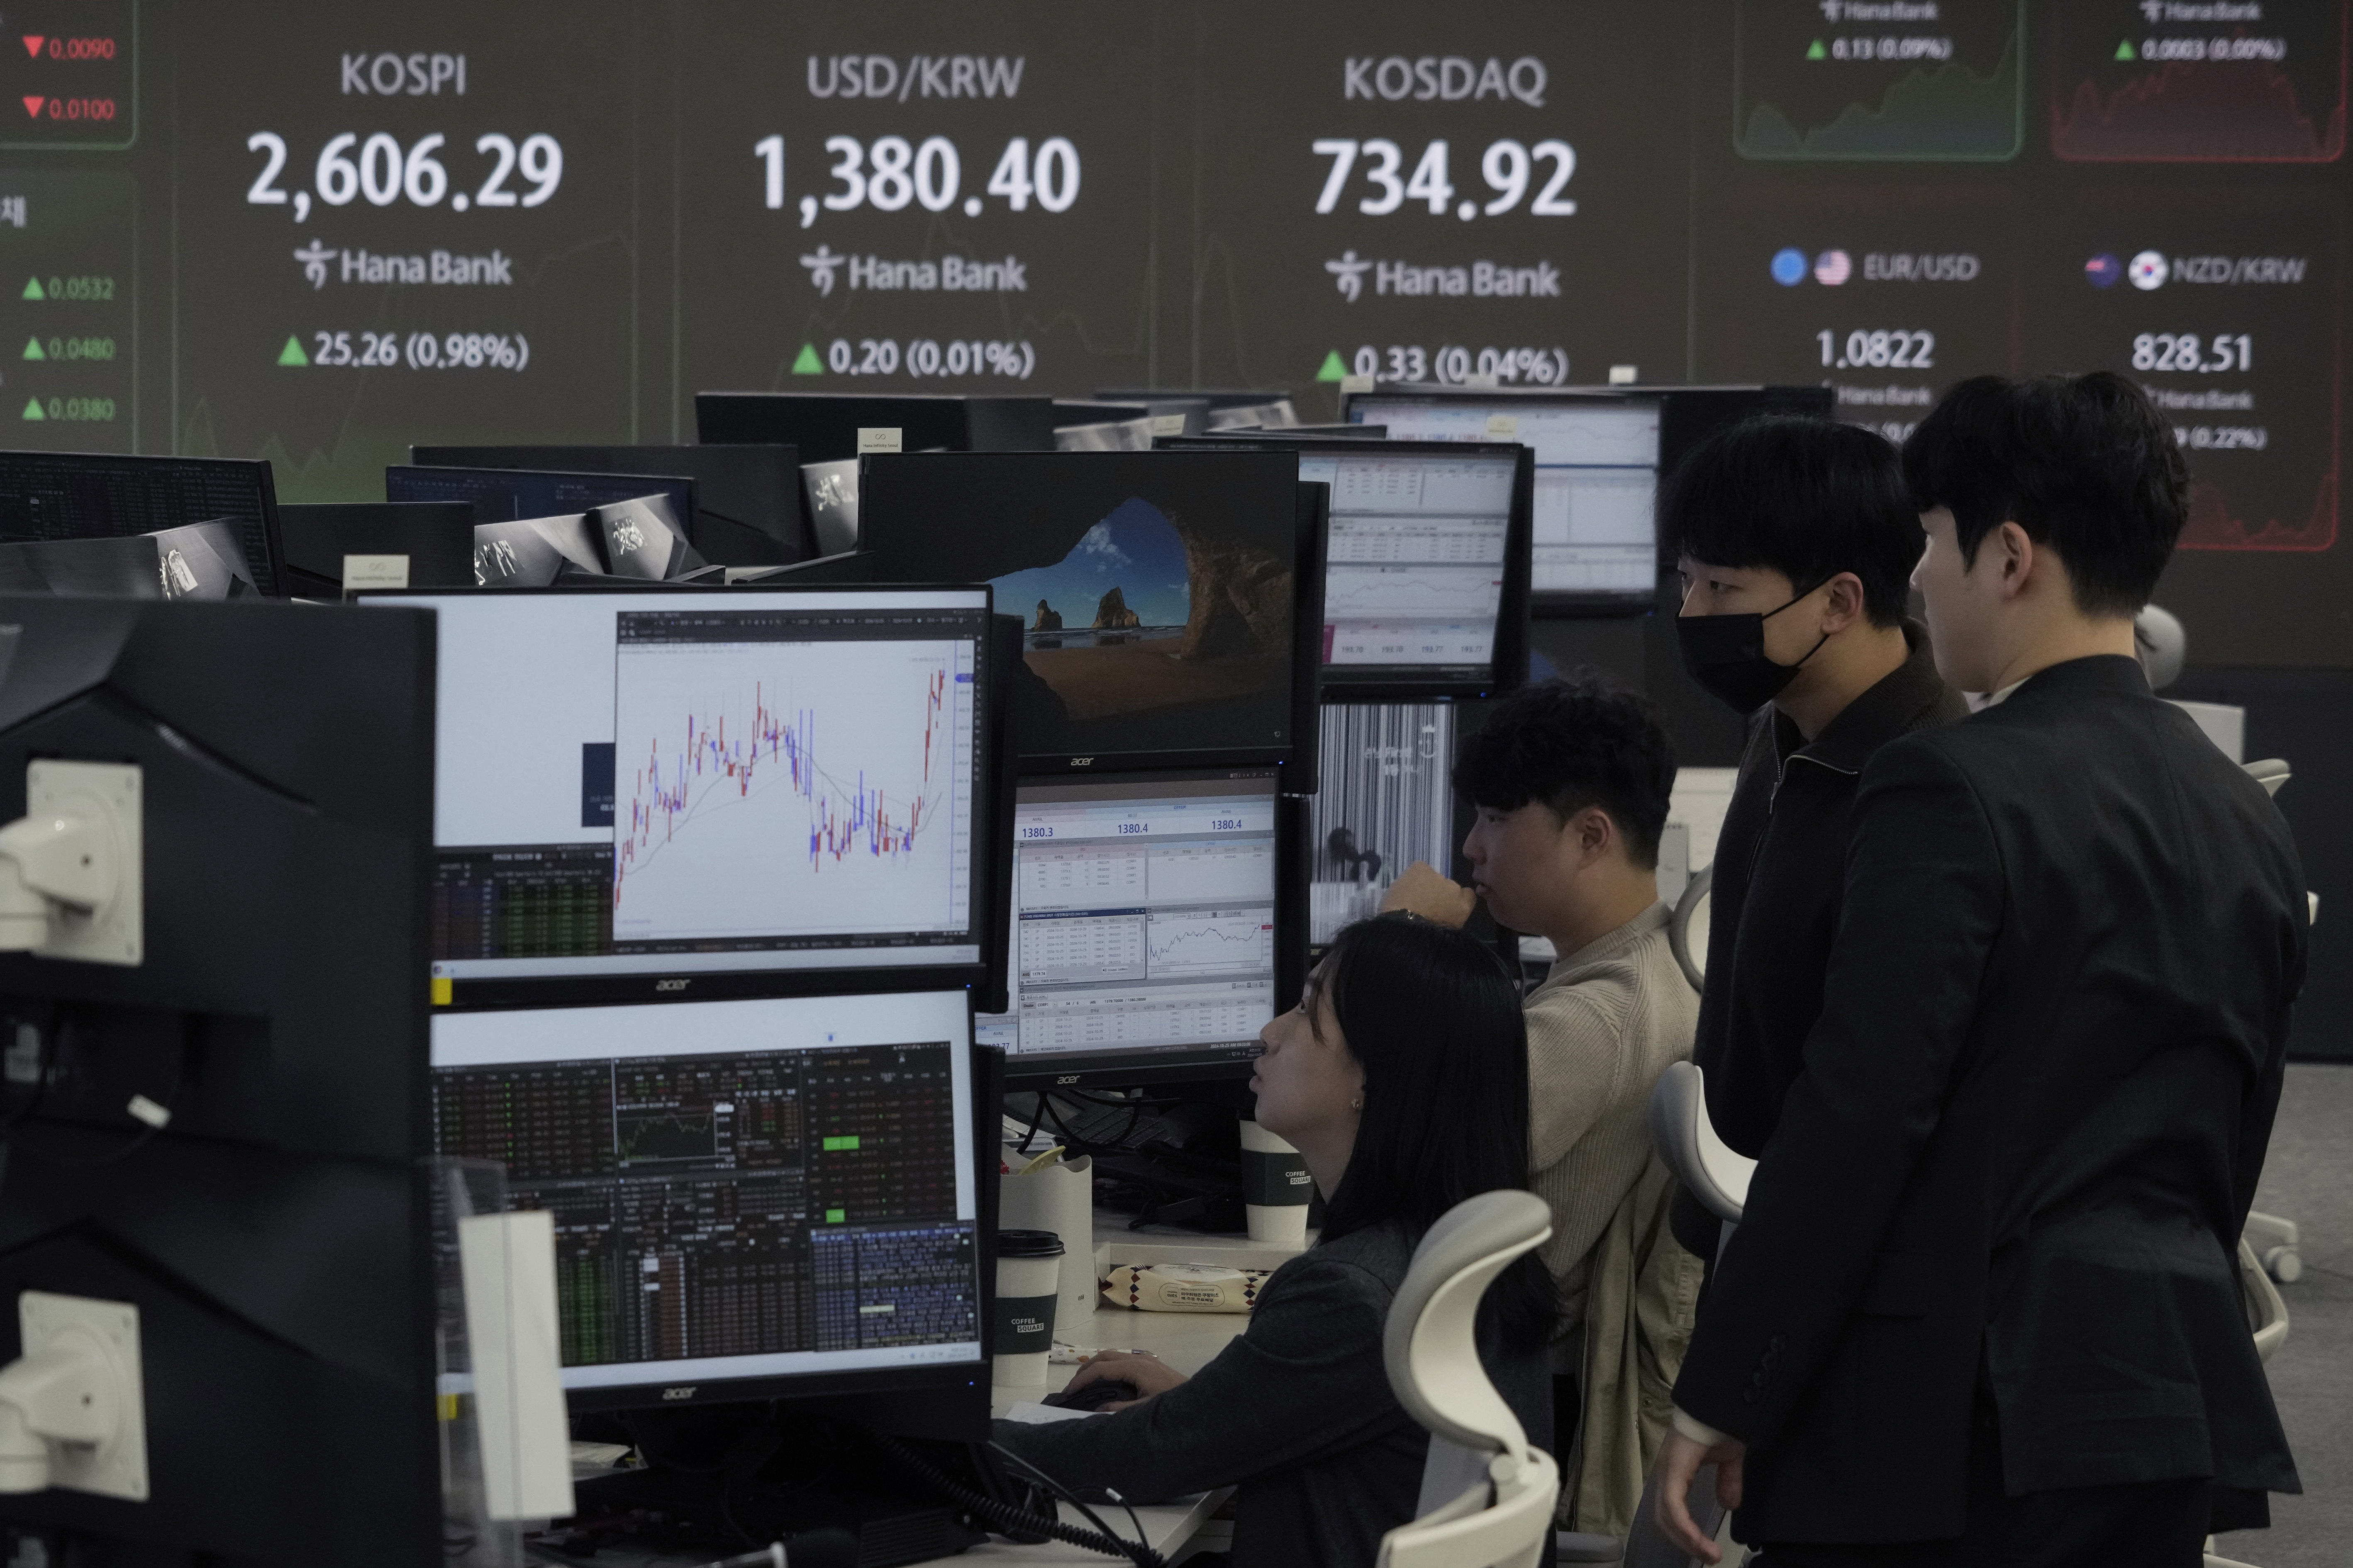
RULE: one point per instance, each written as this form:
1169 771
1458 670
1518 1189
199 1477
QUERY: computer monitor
747 499
1386 800
197 561
1223 408
1162 594
80 495
434 541
504 495
824 425
681 793
1085 427
1689 414
1155 930
751 1198
267 1223
1596 474
1426 564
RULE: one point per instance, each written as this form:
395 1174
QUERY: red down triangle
33 42
32 101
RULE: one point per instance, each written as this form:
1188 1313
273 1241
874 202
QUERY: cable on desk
1007 1518
1060 1490
1035 1117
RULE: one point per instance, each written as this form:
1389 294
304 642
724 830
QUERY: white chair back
1487 1495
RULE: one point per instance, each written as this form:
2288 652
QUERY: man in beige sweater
1570 779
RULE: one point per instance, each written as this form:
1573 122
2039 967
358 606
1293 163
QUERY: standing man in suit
1983 1307
1796 540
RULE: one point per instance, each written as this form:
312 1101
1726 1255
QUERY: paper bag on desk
1059 1198
1183 1287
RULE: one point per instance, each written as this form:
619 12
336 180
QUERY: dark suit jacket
1780 871
2027 1130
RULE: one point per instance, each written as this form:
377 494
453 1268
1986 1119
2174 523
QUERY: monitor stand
735 1478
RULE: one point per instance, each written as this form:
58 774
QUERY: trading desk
1186 1341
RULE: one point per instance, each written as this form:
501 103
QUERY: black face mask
1725 654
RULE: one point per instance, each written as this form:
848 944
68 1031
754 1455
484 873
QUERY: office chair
1487 1494
1719 1178
1691 910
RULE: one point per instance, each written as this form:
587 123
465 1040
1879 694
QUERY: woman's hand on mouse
1148 1372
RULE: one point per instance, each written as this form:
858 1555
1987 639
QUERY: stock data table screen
1144 922
1596 533
649 785
1413 579
741 1190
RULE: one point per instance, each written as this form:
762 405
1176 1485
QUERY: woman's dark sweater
1296 1414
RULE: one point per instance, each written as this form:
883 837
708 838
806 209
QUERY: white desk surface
1186 1341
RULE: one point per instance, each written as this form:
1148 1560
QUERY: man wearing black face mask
1796 540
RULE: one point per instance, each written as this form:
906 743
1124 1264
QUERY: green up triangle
2125 50
33 349
293 353
33 409
1333 369
32 289
808 363
1815 51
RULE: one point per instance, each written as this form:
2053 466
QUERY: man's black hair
1809 497
2085 464
1571 743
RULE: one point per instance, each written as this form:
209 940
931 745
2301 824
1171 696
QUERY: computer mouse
1093 1395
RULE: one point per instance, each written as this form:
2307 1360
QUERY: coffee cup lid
1028 1244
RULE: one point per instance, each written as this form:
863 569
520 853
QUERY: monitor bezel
1509 667
1079 1070
739 984
1295 759
1556 602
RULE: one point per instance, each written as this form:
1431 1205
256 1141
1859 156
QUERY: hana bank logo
822 265
1348 274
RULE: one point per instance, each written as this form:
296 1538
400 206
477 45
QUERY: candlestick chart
767 789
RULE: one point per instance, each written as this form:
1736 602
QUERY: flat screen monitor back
680 793
1597 472
1157 922
273 1235
747 499
75 495
1159 591
435 538
1426 562
824 425
1690 414
505 495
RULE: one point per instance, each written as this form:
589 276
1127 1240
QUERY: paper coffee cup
1275 1187
1029 1271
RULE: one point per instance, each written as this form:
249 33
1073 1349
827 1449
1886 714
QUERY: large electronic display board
322 232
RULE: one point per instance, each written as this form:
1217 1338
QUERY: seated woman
1402 1077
